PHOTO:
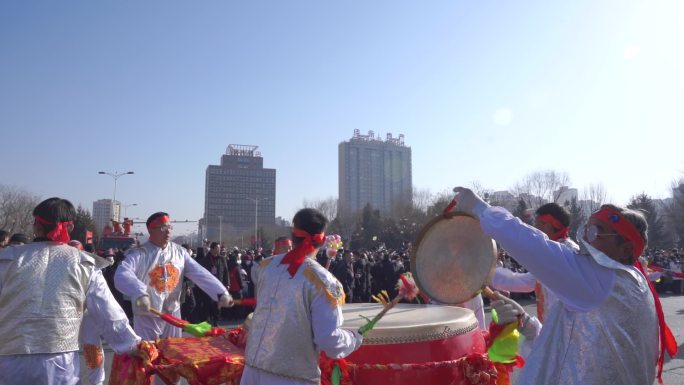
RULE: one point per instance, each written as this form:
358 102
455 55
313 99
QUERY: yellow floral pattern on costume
162 283
333 290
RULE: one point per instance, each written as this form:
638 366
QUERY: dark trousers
206 309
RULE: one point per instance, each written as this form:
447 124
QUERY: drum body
412 344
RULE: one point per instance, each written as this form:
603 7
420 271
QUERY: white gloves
510 311
506 311
225 300
530 327
142 304
468 202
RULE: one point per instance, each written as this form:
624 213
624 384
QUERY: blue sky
482 91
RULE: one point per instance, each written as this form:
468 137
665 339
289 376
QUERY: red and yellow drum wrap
418 344
204 360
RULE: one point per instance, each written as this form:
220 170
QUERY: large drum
413 344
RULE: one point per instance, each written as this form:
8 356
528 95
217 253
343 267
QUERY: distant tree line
369 228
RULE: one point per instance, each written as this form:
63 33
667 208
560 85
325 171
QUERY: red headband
60 233
295 257
563 231
622 226
283 243
158 222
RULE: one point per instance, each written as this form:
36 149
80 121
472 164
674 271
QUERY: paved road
673 306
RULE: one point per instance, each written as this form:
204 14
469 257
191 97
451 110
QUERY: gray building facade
375 171
104 210
238 193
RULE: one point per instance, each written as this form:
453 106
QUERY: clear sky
484 91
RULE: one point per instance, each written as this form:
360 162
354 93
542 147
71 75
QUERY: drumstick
495 295
198 330
245 302
407 289
179 323
491 294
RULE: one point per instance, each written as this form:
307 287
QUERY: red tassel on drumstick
407 289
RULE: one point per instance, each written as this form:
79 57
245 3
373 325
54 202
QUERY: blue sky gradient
482 91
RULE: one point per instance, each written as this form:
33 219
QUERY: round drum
412 344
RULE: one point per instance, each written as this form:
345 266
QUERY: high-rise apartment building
104 210
239 193
375 171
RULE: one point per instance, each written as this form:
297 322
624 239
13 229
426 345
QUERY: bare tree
675 213
541 187
480 190
16 208
327 206
594 196
422 198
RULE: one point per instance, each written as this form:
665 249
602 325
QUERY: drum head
406 323
453 259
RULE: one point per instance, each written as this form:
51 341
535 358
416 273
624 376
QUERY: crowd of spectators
362 273
669 262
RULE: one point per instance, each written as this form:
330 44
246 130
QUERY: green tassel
198 330
335 376
495 316
367 327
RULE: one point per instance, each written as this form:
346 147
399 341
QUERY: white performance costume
295 319
93 353
476 304
508 280
158 273
44 289
605 328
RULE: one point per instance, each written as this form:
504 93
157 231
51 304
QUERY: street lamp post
116 176
256 219
220 217
126 208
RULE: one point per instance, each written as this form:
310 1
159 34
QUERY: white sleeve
328 336
203 278
476 304
3 267
125 279
580 283
107 316
506 279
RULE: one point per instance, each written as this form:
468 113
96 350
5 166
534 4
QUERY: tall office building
237 191
375 171
104 211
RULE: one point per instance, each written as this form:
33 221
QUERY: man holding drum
554 220
609 322
298 312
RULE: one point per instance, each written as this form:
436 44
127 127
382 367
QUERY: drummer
605 300
298 312
554 220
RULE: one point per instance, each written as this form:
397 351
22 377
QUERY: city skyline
482 92
374 171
